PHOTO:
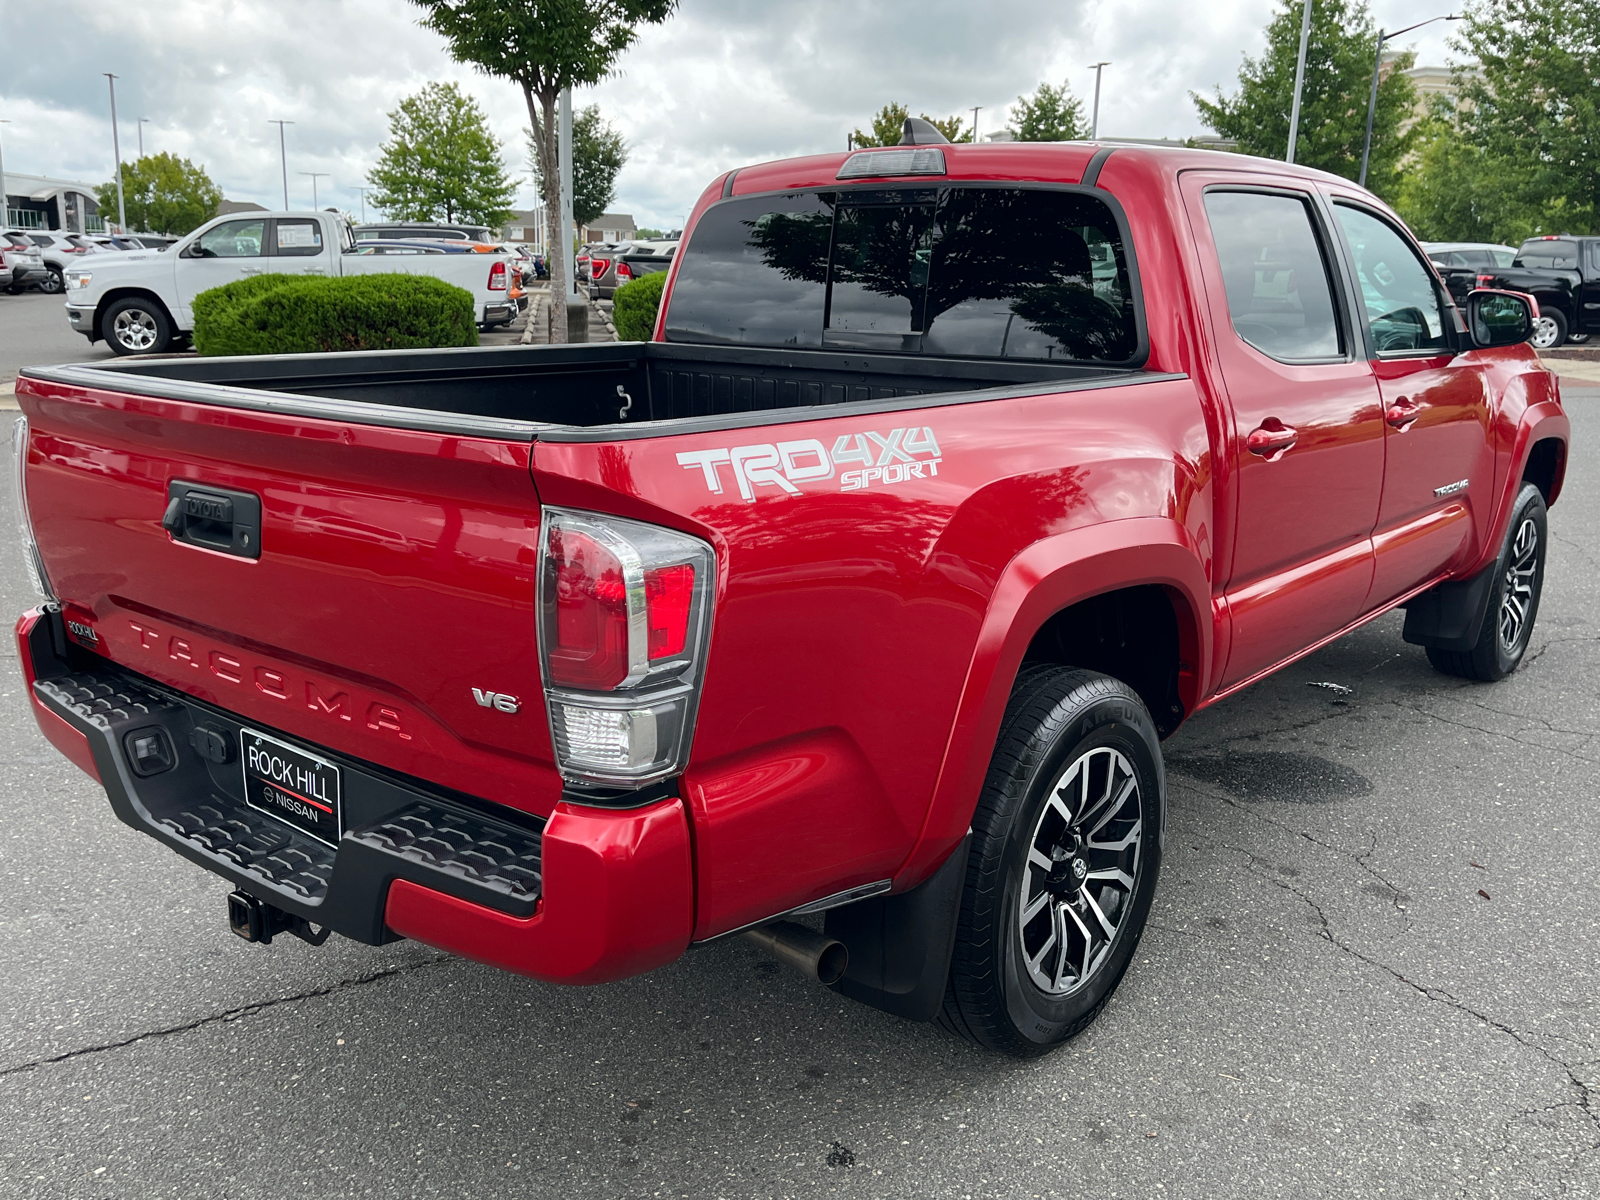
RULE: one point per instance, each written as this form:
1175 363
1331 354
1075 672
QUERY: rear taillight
598 267
624 619
624 272
30 548
1485 281
497 277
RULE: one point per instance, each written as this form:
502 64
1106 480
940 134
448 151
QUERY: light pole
5 206
363 191
283 157
143 121
1299 81
315 175
116 150
975 109
1372 100
1094 120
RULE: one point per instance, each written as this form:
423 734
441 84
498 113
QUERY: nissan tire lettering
884 458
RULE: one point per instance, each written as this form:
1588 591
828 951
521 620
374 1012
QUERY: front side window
1399 295
1026 273
1280 297
232 239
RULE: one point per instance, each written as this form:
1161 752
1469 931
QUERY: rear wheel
1514 602
53 283
1066 846
1549 329
136 326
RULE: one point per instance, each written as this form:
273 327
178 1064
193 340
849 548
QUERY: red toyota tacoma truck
954 479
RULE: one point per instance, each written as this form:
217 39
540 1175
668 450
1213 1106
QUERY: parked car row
60 250
605 266
1559 271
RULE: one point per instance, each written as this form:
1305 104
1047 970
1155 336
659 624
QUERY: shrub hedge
304 314
634 307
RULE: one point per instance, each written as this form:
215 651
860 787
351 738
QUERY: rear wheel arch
1151 558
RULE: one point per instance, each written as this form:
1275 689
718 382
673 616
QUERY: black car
1560 271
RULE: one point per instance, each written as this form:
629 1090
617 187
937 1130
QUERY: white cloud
722 83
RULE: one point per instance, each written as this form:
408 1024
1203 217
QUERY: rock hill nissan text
568 688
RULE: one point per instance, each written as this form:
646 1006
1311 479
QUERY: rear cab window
1548 254
1041 273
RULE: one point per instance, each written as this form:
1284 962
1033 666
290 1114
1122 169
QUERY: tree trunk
542 116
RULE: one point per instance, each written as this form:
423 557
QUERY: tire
134 325
1513 602
1549 329
1011 987
54 282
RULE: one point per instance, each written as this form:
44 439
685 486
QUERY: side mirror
1496 318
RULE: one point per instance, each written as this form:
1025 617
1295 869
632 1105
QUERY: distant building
1430 82
40 202
610 227
527 228
229 207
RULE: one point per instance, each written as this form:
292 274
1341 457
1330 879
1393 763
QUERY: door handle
1271 439
249 270
1401 413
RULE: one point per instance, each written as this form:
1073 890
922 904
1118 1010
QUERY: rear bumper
25 273
494 314
590 896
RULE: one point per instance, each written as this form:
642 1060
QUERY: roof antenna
922 133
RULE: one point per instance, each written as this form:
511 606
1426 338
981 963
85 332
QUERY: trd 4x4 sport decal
884 458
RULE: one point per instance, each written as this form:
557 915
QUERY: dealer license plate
292 784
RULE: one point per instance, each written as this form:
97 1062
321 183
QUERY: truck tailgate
395 576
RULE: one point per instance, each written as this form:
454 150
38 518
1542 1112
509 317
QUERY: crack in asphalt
1584 1100
232 1014
1510 737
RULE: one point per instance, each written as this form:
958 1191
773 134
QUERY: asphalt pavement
1370 972
34 331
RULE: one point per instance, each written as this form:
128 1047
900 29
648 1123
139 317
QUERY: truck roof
1041 162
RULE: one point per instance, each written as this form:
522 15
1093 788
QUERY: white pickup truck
141 302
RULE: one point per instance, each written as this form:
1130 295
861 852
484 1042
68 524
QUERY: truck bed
523 391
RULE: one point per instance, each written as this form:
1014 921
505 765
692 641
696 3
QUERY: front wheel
1513 602
137 326
1066 846
1549 329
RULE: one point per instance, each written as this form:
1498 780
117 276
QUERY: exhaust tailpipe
807 951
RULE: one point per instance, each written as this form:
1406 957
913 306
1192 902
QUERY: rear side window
1548 255
297 238
953 271
1280 298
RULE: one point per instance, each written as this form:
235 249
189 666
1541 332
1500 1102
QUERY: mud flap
1450 616
900 946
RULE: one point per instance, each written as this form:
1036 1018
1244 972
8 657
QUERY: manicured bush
635 306
306 314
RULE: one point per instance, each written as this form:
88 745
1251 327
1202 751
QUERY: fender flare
1046 577
1541 421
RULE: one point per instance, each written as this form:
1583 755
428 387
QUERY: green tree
544 47
890 123
441 162
162 193
1533 106
1333 107
598 153
1052 114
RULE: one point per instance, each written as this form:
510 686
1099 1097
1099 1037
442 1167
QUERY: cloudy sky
722 83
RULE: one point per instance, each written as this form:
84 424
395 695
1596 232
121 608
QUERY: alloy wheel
53 283
134 329
1082 871
1517 598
